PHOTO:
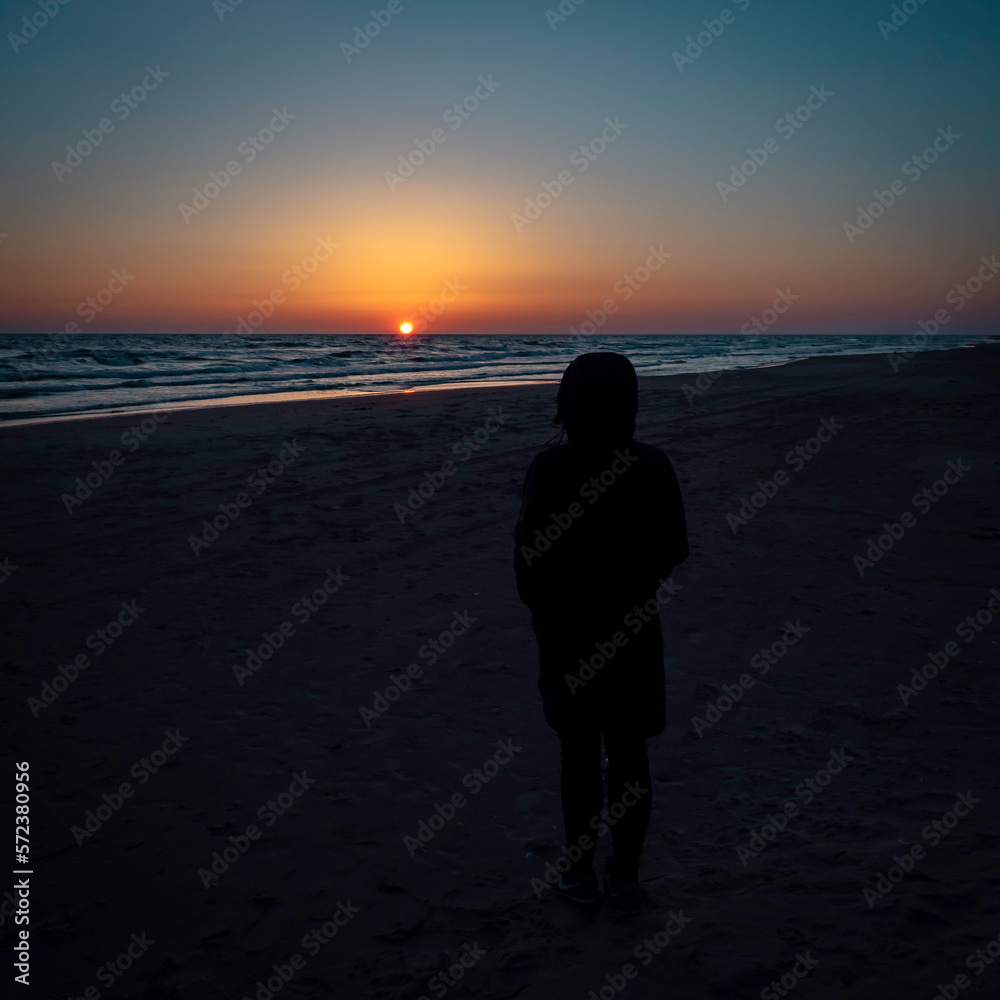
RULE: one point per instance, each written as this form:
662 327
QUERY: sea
45 377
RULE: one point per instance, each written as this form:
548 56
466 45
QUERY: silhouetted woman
601 526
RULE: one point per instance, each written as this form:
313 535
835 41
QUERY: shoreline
261 399
328 395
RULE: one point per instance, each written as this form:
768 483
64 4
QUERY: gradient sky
323 176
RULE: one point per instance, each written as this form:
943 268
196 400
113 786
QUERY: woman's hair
598 399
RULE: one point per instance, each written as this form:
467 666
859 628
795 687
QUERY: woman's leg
629 789
581 785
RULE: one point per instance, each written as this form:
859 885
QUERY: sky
321 166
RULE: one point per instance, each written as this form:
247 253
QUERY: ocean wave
37 380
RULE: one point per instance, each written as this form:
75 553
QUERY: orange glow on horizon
451 258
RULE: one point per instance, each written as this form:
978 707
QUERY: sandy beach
284 739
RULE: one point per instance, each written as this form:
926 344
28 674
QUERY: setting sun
405 328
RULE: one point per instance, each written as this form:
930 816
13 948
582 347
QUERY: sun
405 327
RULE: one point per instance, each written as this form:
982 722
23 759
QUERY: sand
221 738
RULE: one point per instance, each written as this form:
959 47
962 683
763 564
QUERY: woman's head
598 399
